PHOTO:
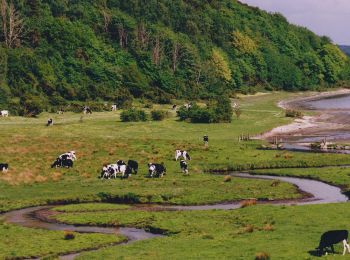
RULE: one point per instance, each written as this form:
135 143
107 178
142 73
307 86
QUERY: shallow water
340 102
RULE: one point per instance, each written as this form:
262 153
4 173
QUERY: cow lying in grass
156 170
184 154
112 170
330 238
4 167
64 163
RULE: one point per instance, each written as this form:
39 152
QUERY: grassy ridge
283 232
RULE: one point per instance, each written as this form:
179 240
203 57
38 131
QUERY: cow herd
122 169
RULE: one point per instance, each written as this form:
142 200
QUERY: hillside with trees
54 51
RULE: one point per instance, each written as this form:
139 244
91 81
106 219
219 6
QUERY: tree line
59 51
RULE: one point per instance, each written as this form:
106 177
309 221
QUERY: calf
134 166
184 166
330 238
156 170
184 154
4 167
4 113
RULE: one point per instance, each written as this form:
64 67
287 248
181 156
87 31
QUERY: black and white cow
174 107
330 238
4 167
184 154
114 107
64 163
87 110
184 167
134 166
49 122
111 171
68 155
120 162
156 170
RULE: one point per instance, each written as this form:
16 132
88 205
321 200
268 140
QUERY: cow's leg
347 246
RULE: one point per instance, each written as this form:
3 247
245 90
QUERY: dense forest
78 50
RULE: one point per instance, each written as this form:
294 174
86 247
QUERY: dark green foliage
158 115
158 50
219 111
133 115
31 105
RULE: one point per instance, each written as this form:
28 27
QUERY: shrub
293 113
158 115
262 256
31 105
248 203
68 235
268 227
227 178
133 115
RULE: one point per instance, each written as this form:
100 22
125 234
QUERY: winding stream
321 193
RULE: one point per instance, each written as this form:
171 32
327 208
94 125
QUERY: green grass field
30 147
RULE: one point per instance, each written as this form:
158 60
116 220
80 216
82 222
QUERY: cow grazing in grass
156 170
134 166
4 113
4 167
111 171
184 167
184 154
174 107
330 238
87 110
64 163
49 122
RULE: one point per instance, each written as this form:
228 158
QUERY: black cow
64 163
134 166
156 170
184 166
4 167
330 238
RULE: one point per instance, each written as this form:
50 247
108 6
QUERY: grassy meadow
284 232
30 147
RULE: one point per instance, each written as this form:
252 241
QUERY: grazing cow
330 238
134 166
184 166
174 107
114 107
156 170
49 122
4 113
87 110
4 167
112 170
64 163
184 154
206 140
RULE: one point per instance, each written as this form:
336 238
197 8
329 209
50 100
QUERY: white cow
4 113
114 107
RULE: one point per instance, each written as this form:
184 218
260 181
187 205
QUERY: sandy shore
324 122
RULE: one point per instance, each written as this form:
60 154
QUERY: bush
133 115
31 105
262 256
158 115
293 113
68 235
